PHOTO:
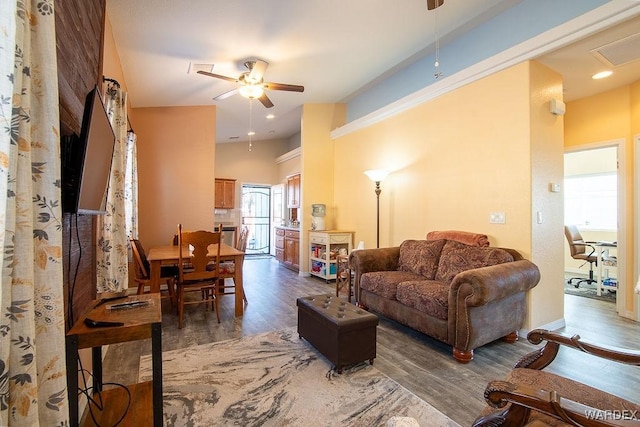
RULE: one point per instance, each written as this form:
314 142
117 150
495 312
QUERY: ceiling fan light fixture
251 91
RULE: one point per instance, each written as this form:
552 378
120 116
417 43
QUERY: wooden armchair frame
519 400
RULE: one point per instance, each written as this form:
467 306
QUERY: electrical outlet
497 218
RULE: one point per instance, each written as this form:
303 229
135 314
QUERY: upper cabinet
293 191
225 193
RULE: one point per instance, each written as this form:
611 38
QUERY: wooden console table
139 323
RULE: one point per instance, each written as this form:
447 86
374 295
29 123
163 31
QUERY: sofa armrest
494 282
382 259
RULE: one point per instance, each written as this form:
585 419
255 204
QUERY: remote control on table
100 323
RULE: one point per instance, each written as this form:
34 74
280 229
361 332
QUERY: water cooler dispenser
318 213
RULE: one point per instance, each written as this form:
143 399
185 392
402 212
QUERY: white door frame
623 284
636 235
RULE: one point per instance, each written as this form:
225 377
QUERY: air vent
620 52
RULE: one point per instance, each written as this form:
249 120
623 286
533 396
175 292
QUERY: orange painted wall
456 159
318 164
176 162
547 164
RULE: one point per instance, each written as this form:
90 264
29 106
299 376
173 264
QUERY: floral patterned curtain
111 252
33 388
131 186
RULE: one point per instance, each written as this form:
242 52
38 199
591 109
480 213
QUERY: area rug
588 291
278 379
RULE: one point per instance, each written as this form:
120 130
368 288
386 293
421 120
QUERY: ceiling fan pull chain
250 122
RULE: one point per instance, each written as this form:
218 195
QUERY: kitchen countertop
286 227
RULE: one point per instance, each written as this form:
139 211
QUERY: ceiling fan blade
226 95
257 71
283 86
432 4
265 101
218 76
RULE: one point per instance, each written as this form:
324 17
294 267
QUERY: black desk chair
582 251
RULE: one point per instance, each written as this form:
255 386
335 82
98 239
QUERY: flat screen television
86 160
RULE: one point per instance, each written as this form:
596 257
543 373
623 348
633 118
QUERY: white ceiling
334 48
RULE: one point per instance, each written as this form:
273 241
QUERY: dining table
169 254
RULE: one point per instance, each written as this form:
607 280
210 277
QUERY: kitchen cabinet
325 246
292 249
293 191
225 190
288 247
280 244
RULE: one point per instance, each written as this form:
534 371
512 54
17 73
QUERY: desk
139 323
603 247
168 255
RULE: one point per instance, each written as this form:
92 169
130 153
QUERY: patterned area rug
588 291
278 379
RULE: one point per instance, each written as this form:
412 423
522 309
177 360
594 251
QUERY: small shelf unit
324 248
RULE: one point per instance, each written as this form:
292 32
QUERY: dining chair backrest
203 263
142 264
242 239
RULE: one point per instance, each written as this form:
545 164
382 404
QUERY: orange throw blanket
471 239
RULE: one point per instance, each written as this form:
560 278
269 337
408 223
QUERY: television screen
86 161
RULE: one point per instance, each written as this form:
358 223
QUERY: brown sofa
463 295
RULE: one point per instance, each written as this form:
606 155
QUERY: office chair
582 251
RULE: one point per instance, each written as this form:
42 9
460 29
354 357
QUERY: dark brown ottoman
342 332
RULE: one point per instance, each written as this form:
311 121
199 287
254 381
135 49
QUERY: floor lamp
377 176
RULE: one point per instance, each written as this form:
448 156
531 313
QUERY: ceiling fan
252 84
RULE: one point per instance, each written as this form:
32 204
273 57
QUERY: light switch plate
497 218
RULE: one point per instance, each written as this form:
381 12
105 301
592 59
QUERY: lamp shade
377 175
251 91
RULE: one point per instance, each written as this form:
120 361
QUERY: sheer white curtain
111 252
33 387
131 186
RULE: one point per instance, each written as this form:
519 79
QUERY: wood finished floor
419 363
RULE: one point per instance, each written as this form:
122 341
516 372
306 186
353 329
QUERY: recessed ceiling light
251 133
601 75
270 116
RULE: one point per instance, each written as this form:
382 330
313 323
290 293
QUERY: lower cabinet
288 248
280 244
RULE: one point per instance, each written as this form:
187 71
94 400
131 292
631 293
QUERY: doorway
256 209
593 185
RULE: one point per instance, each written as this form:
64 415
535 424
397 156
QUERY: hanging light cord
437 73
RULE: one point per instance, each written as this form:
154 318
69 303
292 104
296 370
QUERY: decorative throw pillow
420 256
457 257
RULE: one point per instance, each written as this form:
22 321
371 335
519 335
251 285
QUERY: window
591 202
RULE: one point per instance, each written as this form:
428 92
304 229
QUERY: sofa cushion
457 257
427 296
420 256
384 283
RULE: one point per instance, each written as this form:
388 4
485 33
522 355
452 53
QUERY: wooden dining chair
228 268
197 270
143 272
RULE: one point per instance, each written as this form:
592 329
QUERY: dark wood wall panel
79 33
79 41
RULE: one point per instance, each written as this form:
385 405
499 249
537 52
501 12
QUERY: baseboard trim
551 326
